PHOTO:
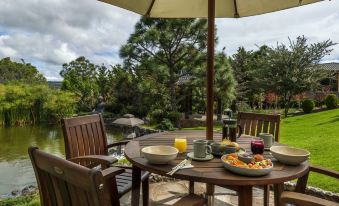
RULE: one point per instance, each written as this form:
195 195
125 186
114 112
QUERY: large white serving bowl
289 155
160 154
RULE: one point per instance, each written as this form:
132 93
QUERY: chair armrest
111 172
304 200
324 171
124 142
98 159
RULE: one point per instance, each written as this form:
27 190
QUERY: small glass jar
257 146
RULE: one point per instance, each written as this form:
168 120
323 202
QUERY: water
15 167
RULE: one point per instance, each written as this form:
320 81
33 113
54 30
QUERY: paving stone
167 193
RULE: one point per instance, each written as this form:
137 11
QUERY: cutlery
181 165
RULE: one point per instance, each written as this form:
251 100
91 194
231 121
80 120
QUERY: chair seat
124 181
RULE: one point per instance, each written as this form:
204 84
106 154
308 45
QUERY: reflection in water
15 167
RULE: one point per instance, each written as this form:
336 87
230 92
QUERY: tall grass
33 103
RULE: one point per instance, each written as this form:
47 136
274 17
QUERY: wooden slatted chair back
84 135
253 124
62 182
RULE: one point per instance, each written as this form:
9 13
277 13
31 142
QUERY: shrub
165 124
242 107
174 117
307 106
157 115
331 101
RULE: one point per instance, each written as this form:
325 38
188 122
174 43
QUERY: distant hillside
54 84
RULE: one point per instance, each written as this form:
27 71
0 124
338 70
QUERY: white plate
247 171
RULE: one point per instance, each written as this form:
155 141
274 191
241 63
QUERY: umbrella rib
236 14
150 8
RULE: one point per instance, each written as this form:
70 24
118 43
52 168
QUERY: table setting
234 158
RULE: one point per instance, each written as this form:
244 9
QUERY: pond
16 171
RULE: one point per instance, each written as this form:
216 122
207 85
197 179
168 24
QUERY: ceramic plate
246 171
207 158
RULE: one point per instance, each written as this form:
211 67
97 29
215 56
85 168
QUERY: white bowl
159 154
289 155
246 171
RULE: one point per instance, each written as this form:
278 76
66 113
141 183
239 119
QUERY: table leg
136 180
191 187
278 189
266 195
245 196
210 194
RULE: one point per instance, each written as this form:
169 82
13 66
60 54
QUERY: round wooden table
211 172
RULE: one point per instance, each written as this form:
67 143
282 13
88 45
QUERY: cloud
50 33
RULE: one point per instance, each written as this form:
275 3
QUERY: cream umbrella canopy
210 9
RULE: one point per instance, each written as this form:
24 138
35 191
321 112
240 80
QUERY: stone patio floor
167 193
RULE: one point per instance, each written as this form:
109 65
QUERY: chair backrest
253 124
84 135
62 182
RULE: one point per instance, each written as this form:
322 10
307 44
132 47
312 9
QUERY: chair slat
265 127
91 139
253 127
96 139
247 126
74 142
86 140
100 137
272 127
259 127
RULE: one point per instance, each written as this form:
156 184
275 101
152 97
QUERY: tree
290 70
166 48
246 65
22 72
224 83
80 77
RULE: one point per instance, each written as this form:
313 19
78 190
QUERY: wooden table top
211 171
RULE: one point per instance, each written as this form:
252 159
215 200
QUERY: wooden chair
86 143
253 124
62 182
299 197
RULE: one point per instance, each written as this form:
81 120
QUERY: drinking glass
180 144
257 146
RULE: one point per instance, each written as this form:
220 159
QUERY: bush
157 115
174 117
331 101
165 124
242 107
307 106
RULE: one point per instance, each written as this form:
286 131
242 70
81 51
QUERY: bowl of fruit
259 166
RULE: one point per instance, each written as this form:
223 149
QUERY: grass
32 200
319 134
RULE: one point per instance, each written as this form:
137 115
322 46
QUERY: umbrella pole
210 69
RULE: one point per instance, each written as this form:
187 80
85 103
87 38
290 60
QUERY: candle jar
257 146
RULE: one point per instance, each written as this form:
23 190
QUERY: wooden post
210 69
337 82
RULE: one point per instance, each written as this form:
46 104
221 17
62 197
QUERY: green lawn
318 133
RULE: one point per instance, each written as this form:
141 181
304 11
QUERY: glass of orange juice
180 144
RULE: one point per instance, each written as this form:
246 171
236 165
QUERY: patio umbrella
206 9
128 120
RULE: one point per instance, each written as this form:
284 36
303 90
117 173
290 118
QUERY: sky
50 33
